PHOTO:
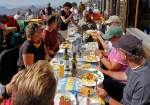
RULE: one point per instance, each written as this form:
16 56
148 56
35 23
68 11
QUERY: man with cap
112 58
111 36
136 91
113 20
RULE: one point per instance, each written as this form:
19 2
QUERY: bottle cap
61 62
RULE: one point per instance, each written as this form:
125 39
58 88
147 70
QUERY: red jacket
7 102
11 22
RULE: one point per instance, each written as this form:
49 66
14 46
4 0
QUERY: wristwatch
4 92
102 57
107 99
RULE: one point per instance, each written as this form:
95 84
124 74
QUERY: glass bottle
74 65
66 60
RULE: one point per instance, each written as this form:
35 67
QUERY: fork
96 82
77 101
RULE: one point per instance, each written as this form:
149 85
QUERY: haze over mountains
10 7
12 11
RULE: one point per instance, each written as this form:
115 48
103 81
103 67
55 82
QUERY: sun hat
113 31
114 19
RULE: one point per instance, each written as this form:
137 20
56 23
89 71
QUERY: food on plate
84 66
65 100
88 78
92 32
91 58
65 45
86 90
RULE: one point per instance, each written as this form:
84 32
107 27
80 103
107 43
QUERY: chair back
21 24
8 64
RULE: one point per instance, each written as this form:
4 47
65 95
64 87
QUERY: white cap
113 18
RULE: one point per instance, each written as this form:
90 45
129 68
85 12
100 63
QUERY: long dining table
75 88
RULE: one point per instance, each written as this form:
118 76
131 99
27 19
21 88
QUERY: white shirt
18 17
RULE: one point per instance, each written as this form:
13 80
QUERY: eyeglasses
122 50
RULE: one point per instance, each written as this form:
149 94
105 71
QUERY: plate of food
86 91
65 45
91 77
65 98
84 66
91 58
92 32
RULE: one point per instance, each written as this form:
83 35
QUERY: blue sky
18 3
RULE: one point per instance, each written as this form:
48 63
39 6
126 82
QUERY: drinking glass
61 69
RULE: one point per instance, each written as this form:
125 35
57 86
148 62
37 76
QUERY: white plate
91 60
99 75
92 101
89 31
61 51
68 94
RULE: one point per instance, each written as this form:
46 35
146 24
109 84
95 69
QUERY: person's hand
99 53
71 15
100 33
101 92
10 85
2 27
95 38
51 52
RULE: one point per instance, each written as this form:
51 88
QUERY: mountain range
12 11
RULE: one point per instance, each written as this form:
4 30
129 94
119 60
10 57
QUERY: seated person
111 57
113 60
2 27
113 21
18 16
86 23
9 21
35 85
33 49
136 91
50 36
29 14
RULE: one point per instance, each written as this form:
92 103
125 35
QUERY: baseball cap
128 43
112 31
113 18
